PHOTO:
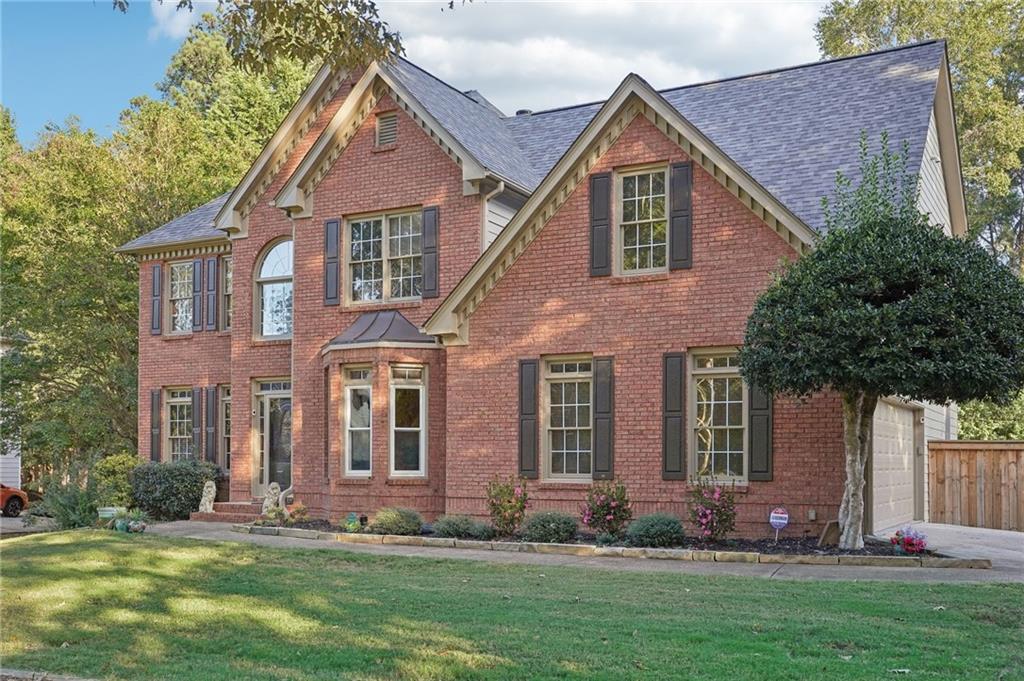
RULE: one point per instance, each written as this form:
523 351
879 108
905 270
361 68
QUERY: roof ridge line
754 74
449 85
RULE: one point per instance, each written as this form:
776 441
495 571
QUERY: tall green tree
259 34
886 304
68 312
985 40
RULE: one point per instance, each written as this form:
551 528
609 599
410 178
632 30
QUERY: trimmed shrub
172 490
463 527
657 530
712 510
507 502
607 509
550 527
397 521
112 482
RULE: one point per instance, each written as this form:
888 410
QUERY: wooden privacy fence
976 483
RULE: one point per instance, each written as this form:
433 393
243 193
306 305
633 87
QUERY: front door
274 432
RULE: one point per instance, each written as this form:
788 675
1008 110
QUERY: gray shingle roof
196 225
388 326
791 129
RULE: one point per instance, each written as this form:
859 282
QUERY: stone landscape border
620 551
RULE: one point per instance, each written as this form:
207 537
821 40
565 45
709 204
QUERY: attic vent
524 112
387 129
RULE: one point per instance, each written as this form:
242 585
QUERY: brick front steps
230 512
620 551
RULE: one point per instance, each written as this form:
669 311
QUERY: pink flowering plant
712 509
506 502
607 509
909 541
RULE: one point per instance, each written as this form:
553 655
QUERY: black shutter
157 307
759 420
211 294
155 417
211 423
528 421
197 422
604 418
332 267
197 294
680 220
673 415
431 273
600 225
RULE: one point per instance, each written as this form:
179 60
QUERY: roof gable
193 227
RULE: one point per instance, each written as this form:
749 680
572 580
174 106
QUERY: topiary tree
886 304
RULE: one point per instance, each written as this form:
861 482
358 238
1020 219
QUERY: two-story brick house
410 293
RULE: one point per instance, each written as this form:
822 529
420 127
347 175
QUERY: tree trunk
858 411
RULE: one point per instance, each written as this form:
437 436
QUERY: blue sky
83 58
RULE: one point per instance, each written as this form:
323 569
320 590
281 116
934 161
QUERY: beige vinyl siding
497 213
933 199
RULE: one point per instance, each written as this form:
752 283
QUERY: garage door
893 466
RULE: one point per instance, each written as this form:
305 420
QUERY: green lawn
112 606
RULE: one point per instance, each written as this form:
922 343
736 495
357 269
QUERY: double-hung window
642 235
179 424
408 421
226 285
385 257
225 427
568 416
719 417
180 298
358 420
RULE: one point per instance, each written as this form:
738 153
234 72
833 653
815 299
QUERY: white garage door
893 466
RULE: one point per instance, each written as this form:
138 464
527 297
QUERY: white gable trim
372 86
634 97
949 150
233 214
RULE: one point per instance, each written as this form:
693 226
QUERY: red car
12 501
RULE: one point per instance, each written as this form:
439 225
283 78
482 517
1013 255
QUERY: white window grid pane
359 398
181 296
405 262
275 386
643 231
278 262
225 426
276 308
719 425
408 429
569 427
179 427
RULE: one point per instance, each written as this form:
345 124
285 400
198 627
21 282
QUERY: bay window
358 420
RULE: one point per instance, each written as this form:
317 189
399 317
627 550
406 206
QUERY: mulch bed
785 545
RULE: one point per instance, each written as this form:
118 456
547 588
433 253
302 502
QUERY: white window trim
616 238
345 415
385 256
545 417
257 327
422 386
169 305
226 311
167 420
692 374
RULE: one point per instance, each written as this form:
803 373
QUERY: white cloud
540 55
171 22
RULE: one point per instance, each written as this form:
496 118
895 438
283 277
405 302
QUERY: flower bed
706 552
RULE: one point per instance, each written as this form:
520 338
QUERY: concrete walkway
222 532
1004 548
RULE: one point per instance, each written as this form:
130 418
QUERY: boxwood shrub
171 490
392 520
550 527
657 530
112 483
463 527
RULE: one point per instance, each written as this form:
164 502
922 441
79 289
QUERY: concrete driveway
1004 548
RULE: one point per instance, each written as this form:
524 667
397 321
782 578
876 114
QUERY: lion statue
209 492
272 499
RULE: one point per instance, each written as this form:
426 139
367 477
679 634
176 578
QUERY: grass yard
103 605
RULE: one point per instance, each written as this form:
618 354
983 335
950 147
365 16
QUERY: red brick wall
413 173
547 303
